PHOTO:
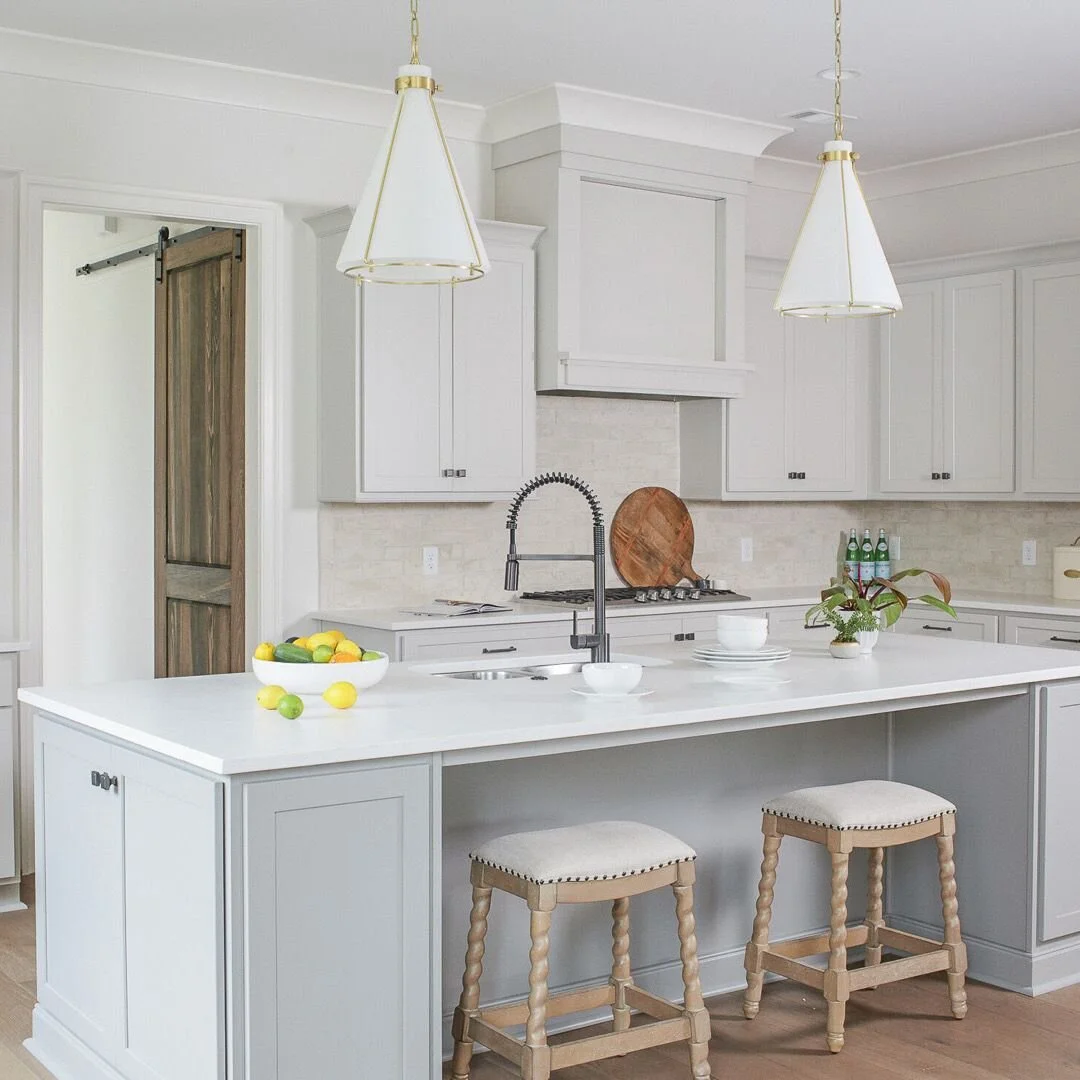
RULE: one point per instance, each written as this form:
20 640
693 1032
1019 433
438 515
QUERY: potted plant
877 603
844 646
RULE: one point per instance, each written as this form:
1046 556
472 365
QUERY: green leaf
934 602
892 612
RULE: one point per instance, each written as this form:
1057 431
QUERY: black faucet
598 641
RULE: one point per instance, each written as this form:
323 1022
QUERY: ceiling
938 77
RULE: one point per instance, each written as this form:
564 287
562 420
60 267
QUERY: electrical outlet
431 560
746 547
1028 554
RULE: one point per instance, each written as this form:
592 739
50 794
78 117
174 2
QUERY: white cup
742 631
614 678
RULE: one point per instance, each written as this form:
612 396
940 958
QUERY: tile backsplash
370 555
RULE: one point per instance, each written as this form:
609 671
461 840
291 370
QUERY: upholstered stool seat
603 860
873 814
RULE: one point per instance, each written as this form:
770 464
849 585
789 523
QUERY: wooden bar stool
605 860
873 814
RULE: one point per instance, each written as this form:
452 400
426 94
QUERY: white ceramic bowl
315 678
614 678
742 631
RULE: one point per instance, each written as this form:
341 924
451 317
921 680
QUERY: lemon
290 706
336 636
264 651
349 647
316 640
322 653
342 695
302 642
269 696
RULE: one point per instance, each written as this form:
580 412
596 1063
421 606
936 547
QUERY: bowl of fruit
313 664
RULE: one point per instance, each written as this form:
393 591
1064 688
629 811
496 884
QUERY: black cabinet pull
448 472
791 476
509 648
95 778
935 476
801 476
1067 640
680 637
691 637
459 472
943 629
946 476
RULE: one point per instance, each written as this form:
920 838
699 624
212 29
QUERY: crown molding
1008 159
578 106
86 63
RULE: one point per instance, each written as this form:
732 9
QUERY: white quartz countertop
14 646
214 724
522 611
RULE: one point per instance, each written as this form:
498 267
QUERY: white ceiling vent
814 116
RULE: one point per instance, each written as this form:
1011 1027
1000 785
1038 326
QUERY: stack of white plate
720 657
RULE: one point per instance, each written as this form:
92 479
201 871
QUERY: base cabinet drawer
969 626
447 645
1035 630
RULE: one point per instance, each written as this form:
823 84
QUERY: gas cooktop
660 595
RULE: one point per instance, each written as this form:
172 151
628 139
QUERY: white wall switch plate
431 560
746 547
1028 553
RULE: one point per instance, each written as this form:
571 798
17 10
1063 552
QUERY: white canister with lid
1067 571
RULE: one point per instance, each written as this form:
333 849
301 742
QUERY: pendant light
413 225
837 268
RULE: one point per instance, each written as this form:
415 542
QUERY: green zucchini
287 653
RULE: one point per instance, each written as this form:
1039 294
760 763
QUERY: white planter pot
867 639
845 650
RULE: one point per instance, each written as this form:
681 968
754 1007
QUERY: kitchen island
239 895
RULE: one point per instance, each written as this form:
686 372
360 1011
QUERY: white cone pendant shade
413 224
837 268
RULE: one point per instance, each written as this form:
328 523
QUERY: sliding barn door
199 457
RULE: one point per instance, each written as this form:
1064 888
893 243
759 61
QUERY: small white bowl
742 631
614 678
316 678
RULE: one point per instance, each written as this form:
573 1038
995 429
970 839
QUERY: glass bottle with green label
852 557
867 565
882 561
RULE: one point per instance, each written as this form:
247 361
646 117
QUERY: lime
269 696
290 706
342 695
367 654
264 651
322 654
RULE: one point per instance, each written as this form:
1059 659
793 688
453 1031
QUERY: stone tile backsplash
370 555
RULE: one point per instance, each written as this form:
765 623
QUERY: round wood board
652 539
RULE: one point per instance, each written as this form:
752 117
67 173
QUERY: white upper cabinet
799 431
946 388
426 393
640 270
1050 379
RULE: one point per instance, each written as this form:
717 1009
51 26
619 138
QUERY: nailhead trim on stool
863 804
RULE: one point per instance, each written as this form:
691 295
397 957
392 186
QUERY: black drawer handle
1069 640
680 637
943 629
935 476
509 648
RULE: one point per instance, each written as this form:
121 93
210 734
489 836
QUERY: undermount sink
490 675
548 670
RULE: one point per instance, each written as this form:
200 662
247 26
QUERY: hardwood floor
899 1032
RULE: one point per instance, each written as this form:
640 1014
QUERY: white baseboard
10 899
65 1056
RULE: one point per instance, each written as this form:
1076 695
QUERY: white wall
97 453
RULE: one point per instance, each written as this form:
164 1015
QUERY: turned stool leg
755 973
836 978
949 909
620 962
536 1064
700 1024
874 917
470 983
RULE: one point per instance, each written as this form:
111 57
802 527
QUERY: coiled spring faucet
598 641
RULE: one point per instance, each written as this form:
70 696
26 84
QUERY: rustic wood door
199 457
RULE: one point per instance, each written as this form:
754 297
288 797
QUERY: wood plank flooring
899 1032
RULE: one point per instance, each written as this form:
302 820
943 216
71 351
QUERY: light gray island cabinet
225 894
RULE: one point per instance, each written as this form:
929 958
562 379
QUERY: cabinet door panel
668 312
8 758
406 385
1049 378
757 456
910 392
969 626
79 861
1059 868
174 919
824 401
979 377
339 960
493 386
1042 632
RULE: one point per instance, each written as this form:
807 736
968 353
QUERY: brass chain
414 30
838 116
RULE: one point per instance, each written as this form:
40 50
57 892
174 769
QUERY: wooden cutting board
652 539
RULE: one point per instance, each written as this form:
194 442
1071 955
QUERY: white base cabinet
1059 868
967 626
426 393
